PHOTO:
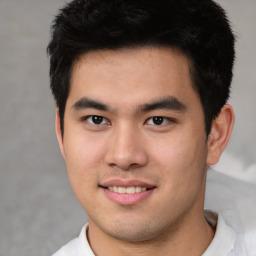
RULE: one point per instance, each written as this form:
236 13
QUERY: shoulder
76 247
68 249
235 201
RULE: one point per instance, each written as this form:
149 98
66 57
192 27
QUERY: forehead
132 75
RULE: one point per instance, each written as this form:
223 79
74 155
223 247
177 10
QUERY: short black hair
199 28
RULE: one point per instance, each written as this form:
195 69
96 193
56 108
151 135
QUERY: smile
127 190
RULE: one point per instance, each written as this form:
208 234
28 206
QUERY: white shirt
223 243
224 239
235 201
77 247
235 235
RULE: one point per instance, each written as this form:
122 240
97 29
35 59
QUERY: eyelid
165 122
85 119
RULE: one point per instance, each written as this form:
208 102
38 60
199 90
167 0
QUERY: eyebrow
168 103
85 102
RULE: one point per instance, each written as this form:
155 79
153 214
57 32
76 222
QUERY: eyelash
163 120
95 116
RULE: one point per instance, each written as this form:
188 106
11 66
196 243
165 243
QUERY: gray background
39 212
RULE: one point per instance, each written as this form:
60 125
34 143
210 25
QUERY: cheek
83 160
171 151
182 158
83 149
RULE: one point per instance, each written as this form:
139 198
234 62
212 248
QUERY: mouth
127 192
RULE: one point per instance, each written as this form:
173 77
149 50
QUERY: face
134 141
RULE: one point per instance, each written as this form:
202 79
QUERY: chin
132 231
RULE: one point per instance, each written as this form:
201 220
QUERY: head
198 28
141 88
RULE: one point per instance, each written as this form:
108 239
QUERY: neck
186 238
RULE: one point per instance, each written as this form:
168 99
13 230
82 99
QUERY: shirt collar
224 239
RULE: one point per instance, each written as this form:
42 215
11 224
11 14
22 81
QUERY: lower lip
127 199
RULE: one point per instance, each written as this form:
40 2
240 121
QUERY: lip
127 183
127 199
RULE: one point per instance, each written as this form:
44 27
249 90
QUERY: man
141 89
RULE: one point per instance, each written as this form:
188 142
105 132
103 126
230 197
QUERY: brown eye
157 120
96 120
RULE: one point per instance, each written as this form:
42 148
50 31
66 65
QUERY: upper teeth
129 190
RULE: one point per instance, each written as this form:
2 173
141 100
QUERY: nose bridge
126 147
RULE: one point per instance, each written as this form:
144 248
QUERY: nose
126 149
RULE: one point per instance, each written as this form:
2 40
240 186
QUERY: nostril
125 167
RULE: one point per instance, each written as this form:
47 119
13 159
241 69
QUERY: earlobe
59 132
220 133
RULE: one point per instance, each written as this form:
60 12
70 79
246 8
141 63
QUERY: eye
96 120
158 120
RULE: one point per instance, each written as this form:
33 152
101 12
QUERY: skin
127 144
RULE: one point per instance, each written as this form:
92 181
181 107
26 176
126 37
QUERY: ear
220 133
59 132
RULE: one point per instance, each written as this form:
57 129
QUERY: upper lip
126 183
